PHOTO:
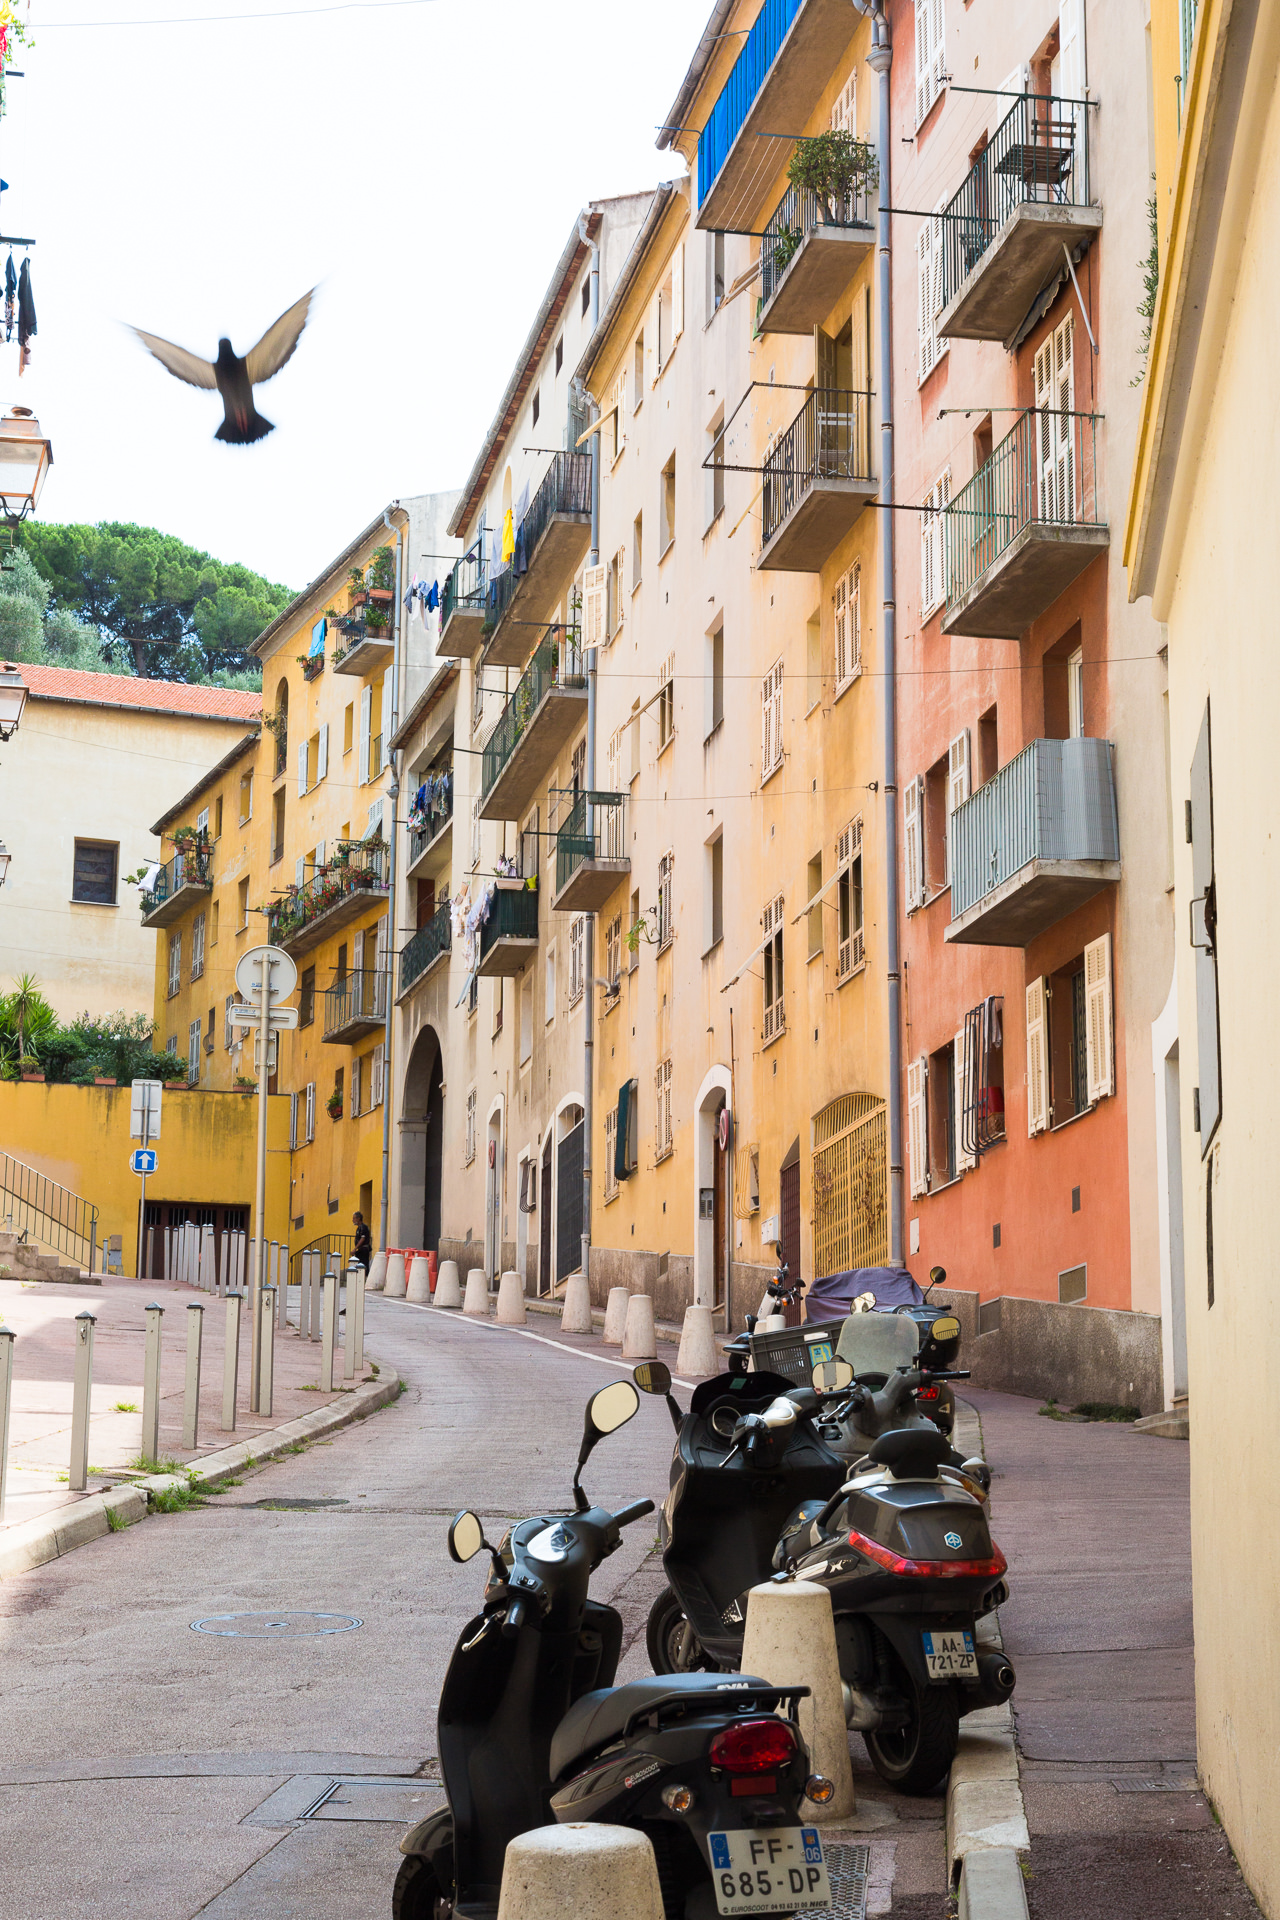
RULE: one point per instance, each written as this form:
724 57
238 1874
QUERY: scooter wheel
417 1894
672 1644
915 1757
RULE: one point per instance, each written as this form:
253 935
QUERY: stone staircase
22 1260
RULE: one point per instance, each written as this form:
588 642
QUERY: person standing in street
364 1242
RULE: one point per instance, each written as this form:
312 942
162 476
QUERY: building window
616 606
667 703
940 1098
175 963
815 907
228 1031
499 1006
357 1066
715 892
246 798
771 722
309 1092
715 680
171 1044
537 408
477 699
293 1121
377 1075
848 600
637 550
715 273
667 507
559 353
307 997
715 471
242 905
469 1145
931 54
665 927
93 872
217 818
213 923
577 958
549 986
913 844
611 1154
586 293
775 1018
613 953
197 946
933 546
664 1141
849 952
194 1035
475 835
638 374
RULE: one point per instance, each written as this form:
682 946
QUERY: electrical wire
208 19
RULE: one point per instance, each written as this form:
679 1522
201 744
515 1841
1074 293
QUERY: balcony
337 893
546 710
462 611
509 937
817 480
811 249
430 832
552 541
178 885
429 945
362 648
592 858
1025 526
1034 843
1024 199
354 1007
784 68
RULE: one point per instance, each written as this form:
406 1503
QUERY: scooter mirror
830 1376
610 1409
936 1277
466 1537
652 1376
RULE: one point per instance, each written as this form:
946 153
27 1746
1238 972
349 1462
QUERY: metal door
569 1203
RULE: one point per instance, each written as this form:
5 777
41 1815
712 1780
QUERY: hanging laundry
26 317
410 594
508 528
520 560
10 297
432 600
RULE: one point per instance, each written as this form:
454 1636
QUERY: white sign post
144 1124
265 976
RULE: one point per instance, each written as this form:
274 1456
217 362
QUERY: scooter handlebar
516 1610
636 1511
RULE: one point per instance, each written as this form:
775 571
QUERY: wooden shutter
375 1076
366 717
651 343
1071 74
311 1110
1064 394
293 1119
854 605
912 851
957 783
844 114
593 606
175 962
302 766
197 946
842 629
300 871
620 611
924 63
771 720
917 1126
321 850
1204 938
962 1098
322 751
1037 1056
1045 427
824 360
1099 1048
202 820
677 293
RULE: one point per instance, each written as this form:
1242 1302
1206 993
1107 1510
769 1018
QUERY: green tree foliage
167 611
117 1046
29 632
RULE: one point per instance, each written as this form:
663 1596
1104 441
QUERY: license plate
950 1656
769 1870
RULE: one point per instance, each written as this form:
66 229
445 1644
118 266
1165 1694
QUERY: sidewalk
43 1319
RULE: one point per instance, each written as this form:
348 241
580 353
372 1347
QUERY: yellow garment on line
508 536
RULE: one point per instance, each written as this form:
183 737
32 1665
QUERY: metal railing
439 814
464 585
513 915
356 867
1045 469
800 211
557 662
1053 801
31 1204
829 439
334 1249
190 868
1038 153
565 488
360 996
746 78
427 944
607 841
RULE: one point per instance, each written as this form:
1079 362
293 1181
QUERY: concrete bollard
283 1320
448 1291
576 1317
304 1295
593 1872
81 1395
267 1352
377 1274
615 1315
191 1396
395 1286
697 1353
151 1384
790 1639
511 1307
6 1387
329 1335
477 1298
355 1273
639 1341
418 1285
317 1300
231 1362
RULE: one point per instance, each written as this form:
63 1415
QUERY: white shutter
366 716
228 1031
917 1126
938 69
380 944
924 21
1045 429
652 359
593 606
1071 74
302 766
842 630
844 114
311 1110
677 293
620 611
300 871
962 1095
322 751
1099 1050
1037 1057
293 1119
771 720
202 820
912 861
197 946
1064 380
175 962
355 1087
957 783
321 850
375 1077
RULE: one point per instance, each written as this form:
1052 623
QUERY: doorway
789 1211
545 1219
422 1145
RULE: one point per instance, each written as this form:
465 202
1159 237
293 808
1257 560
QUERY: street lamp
13 697
25 459
5 858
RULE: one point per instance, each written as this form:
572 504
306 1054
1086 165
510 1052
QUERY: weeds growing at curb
249 1461
116 1522
125 1406
296 1446
141 1464
310 1386
177 1499
374 1370
1091 1410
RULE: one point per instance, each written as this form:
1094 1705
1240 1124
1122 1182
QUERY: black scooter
531 1730
901 1542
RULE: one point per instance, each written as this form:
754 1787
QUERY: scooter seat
599 1717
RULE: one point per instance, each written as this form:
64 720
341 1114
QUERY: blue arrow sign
143 1160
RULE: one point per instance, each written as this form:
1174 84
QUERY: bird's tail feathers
237 435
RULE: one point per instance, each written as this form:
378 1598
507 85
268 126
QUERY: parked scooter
901 1542
532 1730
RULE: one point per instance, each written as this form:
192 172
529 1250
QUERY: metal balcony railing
1054 801
800 211
1038 153
356 868
513 915
747 76
829 439
34 1205
360 996
606 840
193 867
427 944
464 586
1046 469
565 488
557 662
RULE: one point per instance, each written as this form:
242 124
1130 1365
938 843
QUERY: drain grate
1158 1785
274 1626
847 1867
292 1506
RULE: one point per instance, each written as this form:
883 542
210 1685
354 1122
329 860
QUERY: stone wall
1066 1353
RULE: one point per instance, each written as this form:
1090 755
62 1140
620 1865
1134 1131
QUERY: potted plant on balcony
377 620
837 168
333 1105
382 576
358 593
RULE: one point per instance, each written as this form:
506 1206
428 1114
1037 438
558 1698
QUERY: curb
49 1536
993 1887
552 1309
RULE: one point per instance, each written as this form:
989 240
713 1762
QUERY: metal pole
191 1401
330 1331
358 1314
231 1363
260 1192
151 1384
142 1204
81 1394
392 859
349 1324
6 1383
268 1354
589 930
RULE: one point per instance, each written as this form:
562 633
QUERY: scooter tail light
929 1569
753 1746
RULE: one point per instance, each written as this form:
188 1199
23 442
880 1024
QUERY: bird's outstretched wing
278 342
183 365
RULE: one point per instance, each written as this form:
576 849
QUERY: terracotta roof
146 696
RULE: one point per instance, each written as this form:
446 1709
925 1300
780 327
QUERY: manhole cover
274 1626
1159 1784
293 1506
847 1867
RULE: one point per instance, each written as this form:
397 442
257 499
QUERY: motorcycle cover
835 1293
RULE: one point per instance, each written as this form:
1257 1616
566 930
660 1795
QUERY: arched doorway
422 1143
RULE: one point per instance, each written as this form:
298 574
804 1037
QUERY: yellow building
1200 541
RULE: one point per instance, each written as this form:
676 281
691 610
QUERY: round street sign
284 975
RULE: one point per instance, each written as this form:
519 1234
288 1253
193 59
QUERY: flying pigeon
235 378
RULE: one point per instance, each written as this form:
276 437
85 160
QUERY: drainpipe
589 930
392 855
880 59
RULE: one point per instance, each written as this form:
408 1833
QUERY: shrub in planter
333 1106
837 168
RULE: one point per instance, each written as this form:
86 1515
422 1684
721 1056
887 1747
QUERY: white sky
423 162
